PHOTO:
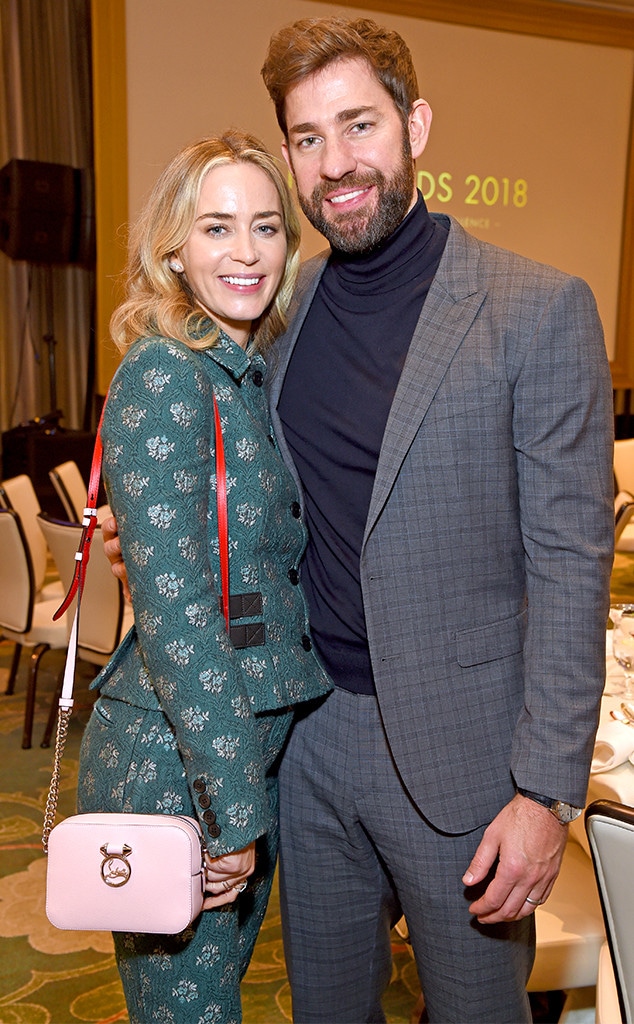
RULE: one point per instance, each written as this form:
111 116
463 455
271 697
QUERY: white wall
507 109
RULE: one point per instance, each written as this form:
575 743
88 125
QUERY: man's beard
363 230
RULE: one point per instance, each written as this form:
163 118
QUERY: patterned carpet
54 977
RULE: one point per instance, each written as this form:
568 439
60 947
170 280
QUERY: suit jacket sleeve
562 427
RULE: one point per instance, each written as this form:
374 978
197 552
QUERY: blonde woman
189 719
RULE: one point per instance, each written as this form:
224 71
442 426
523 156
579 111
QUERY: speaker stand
55 415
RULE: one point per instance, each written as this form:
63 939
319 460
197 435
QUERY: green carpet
49 976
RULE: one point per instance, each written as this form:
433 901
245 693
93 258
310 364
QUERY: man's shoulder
461 244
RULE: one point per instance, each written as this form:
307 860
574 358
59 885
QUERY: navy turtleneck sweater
334 406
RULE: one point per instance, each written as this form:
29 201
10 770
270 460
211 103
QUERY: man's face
350 154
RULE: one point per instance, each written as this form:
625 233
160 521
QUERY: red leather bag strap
221 502
89 523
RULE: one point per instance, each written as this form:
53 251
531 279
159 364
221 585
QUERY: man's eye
310 140
362 126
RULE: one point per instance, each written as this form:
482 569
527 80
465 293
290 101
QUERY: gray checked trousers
355 851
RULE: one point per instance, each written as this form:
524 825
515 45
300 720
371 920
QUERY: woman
188 721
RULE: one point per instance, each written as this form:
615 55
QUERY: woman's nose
244 248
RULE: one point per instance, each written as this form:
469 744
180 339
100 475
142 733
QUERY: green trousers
128 756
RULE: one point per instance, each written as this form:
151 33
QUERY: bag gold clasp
115 866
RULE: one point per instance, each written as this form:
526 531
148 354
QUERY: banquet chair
26 619
105 615
624 464
72 491
623 528
610 829
18 494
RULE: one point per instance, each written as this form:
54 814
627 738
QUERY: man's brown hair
311 44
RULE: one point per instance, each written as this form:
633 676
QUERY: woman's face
234 257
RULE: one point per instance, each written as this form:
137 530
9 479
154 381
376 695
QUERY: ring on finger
240 887
533 903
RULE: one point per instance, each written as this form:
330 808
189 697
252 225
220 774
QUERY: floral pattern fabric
185 722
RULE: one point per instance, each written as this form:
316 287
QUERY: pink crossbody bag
123 872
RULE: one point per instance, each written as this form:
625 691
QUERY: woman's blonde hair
159 301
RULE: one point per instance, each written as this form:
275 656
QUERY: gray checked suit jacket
488 545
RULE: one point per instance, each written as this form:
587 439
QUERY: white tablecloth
618 783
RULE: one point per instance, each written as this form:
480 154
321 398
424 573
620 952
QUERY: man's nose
337 159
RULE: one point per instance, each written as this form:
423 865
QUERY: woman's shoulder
162 374
158 348
159 361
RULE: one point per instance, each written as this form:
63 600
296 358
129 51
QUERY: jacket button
258 378
199 785
209 817
293 576
296 510
307 643
204 800
214 831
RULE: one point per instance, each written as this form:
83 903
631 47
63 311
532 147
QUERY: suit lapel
449 310
310 276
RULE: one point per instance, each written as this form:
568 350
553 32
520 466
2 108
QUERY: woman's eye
215 229
266 229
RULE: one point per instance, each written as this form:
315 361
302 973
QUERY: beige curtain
45 115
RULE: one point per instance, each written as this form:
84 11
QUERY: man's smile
346 197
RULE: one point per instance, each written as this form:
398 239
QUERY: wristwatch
564 813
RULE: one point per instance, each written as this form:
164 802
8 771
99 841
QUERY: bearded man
447 409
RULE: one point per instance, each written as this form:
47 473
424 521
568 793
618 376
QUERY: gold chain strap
63 721
66 704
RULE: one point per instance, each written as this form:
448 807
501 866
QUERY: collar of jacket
235 360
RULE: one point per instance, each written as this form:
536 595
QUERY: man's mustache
349 182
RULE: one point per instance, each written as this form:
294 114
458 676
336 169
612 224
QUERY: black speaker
45 212
33 448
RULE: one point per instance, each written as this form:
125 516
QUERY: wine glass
622 616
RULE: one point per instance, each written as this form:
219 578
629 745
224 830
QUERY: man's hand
528 843
225 877
112 548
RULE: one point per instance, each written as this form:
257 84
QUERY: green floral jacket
159 469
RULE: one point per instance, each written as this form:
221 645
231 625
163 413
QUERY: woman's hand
226 876
112 548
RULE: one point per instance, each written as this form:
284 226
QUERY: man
446 407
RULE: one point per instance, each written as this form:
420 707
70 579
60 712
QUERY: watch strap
562 811
546 801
